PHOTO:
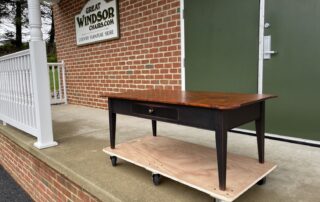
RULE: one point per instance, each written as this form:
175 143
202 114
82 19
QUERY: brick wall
39 180
147 55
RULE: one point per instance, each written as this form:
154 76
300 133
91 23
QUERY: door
294 73
222 40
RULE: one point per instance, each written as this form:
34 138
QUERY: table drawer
156 111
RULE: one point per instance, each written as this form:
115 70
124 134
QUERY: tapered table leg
154 127
260 130
221 147
112 126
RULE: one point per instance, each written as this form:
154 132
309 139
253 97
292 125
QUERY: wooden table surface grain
214 100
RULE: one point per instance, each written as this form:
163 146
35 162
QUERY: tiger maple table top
214 100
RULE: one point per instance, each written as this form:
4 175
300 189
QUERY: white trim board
282 137
261 46
182 46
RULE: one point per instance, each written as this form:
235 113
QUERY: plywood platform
192 165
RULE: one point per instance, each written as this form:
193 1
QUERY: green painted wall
222 45
222 55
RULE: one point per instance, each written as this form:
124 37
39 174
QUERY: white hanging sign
98 21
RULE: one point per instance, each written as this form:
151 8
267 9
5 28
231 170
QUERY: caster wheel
262 181
113 160
156 179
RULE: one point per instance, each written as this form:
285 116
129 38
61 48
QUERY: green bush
56 79
52 58
9 48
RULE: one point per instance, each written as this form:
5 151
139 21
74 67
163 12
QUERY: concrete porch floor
82 133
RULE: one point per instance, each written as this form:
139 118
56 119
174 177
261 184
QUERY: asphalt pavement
10 191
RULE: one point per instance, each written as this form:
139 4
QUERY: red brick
147 29
39 180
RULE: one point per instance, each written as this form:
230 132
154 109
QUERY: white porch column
40 78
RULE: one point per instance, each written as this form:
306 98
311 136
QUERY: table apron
199 117
237 117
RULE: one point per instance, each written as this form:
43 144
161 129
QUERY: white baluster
64 83
54 82
59 82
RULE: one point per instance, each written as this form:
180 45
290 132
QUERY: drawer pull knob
151 111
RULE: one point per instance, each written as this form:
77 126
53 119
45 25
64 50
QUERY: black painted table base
216 120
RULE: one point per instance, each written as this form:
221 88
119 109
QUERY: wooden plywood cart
213 171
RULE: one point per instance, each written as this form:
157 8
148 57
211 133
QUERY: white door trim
182 41
261 46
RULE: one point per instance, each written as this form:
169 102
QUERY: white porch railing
17 106
57 83
24 86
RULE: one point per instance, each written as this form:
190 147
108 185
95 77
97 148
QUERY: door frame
260 69
261 46
182 46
